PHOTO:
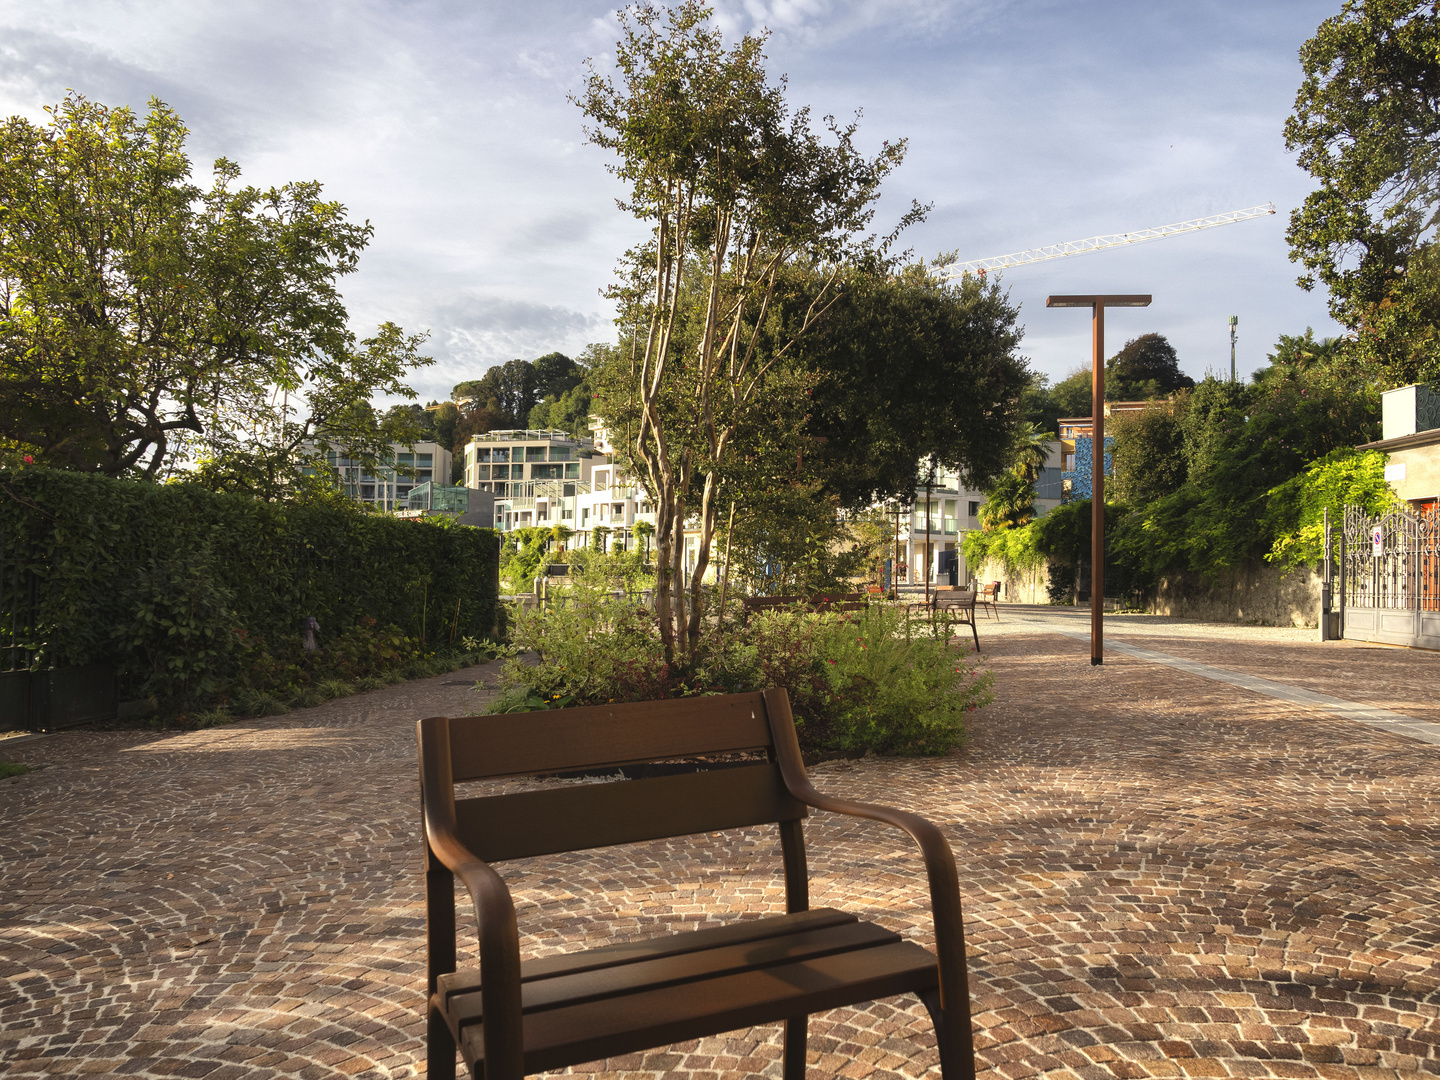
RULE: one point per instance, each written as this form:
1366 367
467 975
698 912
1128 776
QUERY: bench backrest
580 816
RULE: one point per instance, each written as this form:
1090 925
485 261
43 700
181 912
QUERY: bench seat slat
674 971
557 740
583 816
555 1038
629 952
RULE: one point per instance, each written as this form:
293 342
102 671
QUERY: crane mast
1099 243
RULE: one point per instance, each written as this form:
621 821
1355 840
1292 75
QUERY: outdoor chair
549 1013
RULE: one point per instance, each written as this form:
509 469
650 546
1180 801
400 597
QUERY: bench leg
975 633
957 1053
439 1049
795 1047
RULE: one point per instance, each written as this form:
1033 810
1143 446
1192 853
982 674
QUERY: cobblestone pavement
1163 876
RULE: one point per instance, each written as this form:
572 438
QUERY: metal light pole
1097 305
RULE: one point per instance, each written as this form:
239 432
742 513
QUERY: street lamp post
1097 305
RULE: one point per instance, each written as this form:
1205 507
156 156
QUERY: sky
448 126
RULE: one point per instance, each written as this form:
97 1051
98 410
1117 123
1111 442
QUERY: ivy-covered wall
142 576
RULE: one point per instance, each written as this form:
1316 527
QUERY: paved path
1164 875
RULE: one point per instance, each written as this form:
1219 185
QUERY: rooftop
530 435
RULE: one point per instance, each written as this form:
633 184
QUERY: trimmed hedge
158 579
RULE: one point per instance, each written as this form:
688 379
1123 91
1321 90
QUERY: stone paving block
1163 876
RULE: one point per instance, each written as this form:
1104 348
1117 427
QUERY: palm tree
1010 503
1030 454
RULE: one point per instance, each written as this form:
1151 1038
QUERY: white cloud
447 125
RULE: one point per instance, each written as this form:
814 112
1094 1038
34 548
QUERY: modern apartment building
1077 438
954 510
388 486
538 477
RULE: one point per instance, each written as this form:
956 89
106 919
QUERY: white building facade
387 486
954 510
538 477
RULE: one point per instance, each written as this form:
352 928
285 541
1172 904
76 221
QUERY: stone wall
1027 587
1254 593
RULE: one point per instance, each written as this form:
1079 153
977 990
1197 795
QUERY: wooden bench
821 602
955 605
536 1015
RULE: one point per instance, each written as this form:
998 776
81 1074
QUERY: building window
572 471
545 472
517 472
500 453
974 508
560 453
534 453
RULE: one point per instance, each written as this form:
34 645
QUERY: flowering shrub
879 679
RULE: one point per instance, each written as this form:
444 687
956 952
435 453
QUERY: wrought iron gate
1390 577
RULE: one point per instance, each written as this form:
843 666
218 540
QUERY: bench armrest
494 907
944 880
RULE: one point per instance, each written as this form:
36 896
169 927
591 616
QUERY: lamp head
1110 300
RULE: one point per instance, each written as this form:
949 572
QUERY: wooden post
1097 305
1097 488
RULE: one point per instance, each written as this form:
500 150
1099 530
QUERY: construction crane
1099 243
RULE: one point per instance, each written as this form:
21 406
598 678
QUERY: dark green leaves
144 319
1367 127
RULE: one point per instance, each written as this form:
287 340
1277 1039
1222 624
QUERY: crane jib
1098 243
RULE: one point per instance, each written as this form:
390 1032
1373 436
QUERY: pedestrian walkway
1385 719
1164 873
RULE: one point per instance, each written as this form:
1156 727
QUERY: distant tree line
550 392
1145 369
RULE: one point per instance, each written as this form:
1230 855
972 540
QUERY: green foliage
624 570
1299 354
1365 127
1148 456
1147 367
1241 443
145 320
12 768
743 196
1211 416
1016 548
1296 510
1060 583
187 592
793 540
523 555
1071 395
876 680
1039 408
913 367
1009 503
178 620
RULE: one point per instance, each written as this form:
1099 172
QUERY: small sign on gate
1377 541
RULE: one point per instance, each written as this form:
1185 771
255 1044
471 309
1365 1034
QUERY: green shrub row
189 593
879 679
